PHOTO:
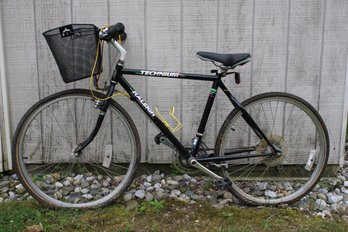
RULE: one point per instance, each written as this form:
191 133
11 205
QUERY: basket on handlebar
74 48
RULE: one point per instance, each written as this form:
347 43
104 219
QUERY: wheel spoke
298 125
53 126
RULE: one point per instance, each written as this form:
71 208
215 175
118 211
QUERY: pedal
223 184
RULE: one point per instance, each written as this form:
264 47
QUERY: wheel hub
273 160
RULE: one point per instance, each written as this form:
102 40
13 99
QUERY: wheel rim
281 179
62 179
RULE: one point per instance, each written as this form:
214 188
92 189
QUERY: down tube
152 116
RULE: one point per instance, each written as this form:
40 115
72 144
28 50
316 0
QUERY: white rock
146 184
175 192
262 185
90 178
140 194
106 183
66 183
149 178
344 190
172 182
78 177
345 184
58 185
321 204
337 190
12 195
87 196
19 186
323 191
333 199
186 177
157 185
270 194
84 191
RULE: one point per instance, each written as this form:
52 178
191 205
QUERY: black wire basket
74 48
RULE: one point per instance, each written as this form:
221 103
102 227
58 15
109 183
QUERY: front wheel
292 125
48 167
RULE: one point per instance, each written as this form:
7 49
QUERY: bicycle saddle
229 60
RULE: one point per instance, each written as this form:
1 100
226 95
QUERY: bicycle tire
52 127
284 179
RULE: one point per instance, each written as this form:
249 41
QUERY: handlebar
115 31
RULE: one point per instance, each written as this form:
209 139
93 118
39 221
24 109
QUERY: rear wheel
49 169
292 125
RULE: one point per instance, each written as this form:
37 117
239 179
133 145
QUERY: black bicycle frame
117 77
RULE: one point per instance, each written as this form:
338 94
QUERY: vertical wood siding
297 46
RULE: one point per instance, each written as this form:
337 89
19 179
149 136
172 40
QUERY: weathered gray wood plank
235 36
270 46
132 14
305 35
199 34
333 72
20 54
303 72
94 12
48 15
91 12
270 61
3 150
163 53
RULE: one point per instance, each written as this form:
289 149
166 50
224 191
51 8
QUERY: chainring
181 164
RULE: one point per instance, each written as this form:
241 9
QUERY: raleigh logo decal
159 73
146 106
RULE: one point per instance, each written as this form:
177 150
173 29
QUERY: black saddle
229 60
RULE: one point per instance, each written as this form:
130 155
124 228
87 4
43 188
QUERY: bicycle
80 148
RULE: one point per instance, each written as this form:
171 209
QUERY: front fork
102 105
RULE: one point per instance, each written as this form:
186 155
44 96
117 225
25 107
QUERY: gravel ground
329 197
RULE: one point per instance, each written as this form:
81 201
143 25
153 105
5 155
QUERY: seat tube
197 140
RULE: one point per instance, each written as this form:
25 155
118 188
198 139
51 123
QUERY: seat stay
248 119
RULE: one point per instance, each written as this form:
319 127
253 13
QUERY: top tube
166 74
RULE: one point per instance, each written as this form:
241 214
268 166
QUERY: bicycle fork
102 105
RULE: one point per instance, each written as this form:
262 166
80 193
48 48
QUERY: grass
162 216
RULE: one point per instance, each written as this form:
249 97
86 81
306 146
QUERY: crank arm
193 162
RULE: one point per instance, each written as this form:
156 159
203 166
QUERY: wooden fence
297 46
